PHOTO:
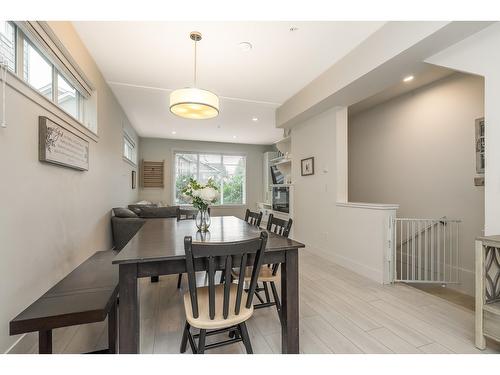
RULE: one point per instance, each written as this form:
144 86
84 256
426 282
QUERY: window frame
82 100
128 139
221 154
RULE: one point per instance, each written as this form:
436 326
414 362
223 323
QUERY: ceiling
144 61
423 73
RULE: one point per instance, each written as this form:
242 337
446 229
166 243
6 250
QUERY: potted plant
201 196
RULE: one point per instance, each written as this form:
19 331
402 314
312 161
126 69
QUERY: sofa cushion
137 207
123 212
157 212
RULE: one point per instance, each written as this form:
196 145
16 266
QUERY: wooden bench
86 295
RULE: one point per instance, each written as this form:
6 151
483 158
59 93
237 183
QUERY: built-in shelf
281 160
284 161
278 185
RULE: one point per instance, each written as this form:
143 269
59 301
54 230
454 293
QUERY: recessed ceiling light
408 79
245 46
234 137
293 28
174 132
255 119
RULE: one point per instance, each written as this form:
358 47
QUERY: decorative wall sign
134 179
57 145
307 167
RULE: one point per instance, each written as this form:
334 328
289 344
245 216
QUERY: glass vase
203 220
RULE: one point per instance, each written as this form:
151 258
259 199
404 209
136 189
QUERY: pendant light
194 103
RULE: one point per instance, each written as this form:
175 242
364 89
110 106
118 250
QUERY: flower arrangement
201 196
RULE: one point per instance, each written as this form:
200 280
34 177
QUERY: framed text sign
57 145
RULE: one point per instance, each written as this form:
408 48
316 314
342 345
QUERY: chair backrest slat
255 276
211 286
253 218
279 226
241 283
223 254
191 276
227 286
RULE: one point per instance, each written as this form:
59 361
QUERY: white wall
353 236
53 218
479 54
418 150
315 196
157 149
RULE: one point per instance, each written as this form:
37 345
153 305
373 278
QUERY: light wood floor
340 312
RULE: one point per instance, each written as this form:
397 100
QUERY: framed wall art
307 167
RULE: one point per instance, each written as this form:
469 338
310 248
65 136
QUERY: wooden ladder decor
152 174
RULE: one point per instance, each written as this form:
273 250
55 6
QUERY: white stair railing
426 250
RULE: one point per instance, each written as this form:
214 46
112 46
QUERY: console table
487 290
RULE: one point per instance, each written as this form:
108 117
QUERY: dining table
158 249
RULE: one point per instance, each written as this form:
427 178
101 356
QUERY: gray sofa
125 223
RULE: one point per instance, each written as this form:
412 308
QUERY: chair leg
201 341
185 335
246 339
276 298
266 292
179 281
222 277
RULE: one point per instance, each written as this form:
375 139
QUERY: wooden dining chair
253 218
218 308
185 214
269 273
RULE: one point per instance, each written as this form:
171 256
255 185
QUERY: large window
228 172
40 73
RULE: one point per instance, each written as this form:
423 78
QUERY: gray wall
155 149
53 218
418 150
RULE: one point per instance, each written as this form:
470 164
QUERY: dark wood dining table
158 249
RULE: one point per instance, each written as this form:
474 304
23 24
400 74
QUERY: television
276 175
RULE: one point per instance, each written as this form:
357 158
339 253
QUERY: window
129 151
8 44
227 171
42 75
67 97
37 71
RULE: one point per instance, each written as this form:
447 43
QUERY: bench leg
155 279
45 342
112 329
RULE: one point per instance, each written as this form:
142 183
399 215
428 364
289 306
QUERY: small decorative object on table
201 196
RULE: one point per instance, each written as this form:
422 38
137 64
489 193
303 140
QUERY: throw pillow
123 212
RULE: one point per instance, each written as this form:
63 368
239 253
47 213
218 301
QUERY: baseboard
351 265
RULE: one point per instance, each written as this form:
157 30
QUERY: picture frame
134 179
307 167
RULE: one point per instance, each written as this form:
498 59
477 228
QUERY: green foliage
233 190
192 189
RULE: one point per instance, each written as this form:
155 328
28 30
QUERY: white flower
207 194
